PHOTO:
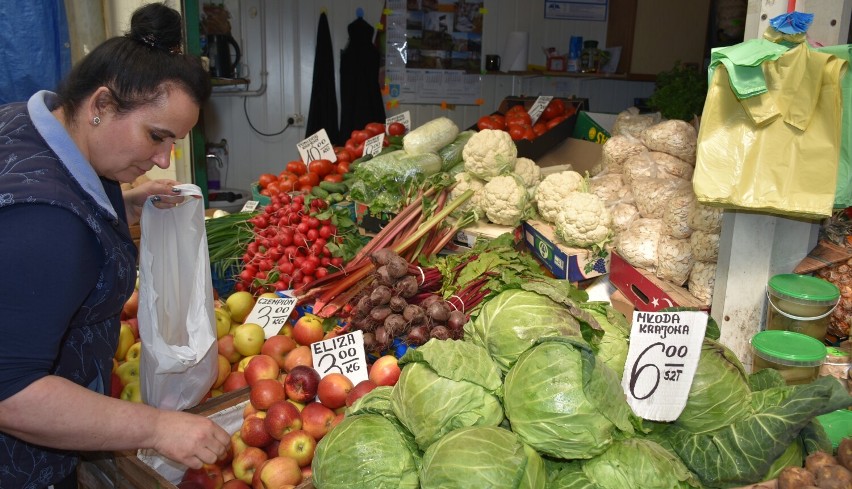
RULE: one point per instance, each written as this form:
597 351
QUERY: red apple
131 306
277 347
235 381
301 383
237 445
235 484
224 371
333 389
134 326
226 348
301 355
298 445
277 473
317 419
189 485
209 476
265 392
338 417
246 462
261 367
249 410
307 472
308 329
272 448
228 475
359 390
385 370
253 433
281 418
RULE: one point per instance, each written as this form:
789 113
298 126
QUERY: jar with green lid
800 303
796 356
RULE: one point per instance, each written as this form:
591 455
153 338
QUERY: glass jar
800 303
589 57
796 356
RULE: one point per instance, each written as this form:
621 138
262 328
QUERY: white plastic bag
177 325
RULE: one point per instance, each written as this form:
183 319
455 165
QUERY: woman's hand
163 191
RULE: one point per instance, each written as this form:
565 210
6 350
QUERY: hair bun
158 27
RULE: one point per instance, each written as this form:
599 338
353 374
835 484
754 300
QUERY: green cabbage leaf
638 462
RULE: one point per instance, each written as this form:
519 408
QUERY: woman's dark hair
138 67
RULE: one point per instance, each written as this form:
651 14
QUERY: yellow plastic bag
776 152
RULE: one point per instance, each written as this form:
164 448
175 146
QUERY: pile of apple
125 362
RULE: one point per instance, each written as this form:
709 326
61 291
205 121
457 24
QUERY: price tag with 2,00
271 313
664 352
342 354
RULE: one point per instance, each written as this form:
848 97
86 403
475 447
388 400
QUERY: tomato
493 121
556 121
287 185
516 132
320 167
516 109
342 154
360 136
555 108
539 128
396 129
529 134
342 167
375 128
333 177
265 179
353 149
297 167
310 179
518 118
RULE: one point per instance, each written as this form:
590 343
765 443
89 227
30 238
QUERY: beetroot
397 304
417 335
406 287
380 313
381 295
456 320
438 311
395 325
414 314
383 256
440 333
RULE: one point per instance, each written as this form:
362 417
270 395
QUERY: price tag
661 362
374 145
250 206
343 354
271 314
538 107
317 147
404 118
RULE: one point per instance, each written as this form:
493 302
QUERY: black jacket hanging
323 110
360 92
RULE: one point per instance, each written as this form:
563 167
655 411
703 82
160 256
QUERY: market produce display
517 121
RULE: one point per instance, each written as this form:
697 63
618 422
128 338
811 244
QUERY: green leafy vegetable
481 456
563 474
613 346
637 463
377 401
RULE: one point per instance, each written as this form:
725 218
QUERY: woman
71 261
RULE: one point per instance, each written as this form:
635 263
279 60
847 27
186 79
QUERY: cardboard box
647 292
582 156
621 304
564 262
467 237
593 126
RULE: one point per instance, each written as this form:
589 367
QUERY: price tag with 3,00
271 313
342 354
661 362
317 146
538 107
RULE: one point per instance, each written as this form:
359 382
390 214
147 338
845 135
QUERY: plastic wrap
630 122
623 214
451 154
674 259
672 165
675 137
704 217
676 215
638 245
607 186
617 150
652 195
702 279
705 246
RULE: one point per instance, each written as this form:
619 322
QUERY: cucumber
335 197
318 191
333 187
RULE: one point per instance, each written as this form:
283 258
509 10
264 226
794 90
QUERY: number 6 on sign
664 352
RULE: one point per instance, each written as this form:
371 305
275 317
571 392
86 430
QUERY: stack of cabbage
532 398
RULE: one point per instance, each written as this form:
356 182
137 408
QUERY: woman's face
125 146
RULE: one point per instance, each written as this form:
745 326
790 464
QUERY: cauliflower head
554 188
583 220
464 182
528 170
504 200
489 153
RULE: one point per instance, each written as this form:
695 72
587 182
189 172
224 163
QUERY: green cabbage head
446 385
564 403
481 456
615 342
512 321
638 462
366 451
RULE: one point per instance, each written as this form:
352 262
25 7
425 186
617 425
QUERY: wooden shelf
566 74
229 82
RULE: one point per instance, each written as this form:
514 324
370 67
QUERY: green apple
240 304
223 322
131 392
125 341
128 372
248 339
134 352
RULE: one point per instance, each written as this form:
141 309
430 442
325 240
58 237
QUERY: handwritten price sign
271 314
403 118
664 352
342 354
316 147
538 107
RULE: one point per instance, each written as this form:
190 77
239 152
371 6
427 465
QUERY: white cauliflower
504 200
528 170
554 188
583 220
489 153
464 182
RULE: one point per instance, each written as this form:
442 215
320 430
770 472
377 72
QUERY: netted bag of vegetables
672 165
607 186
482 456
511 322
366 451
617 150
563 402
446 385
637 462
623 213
705 218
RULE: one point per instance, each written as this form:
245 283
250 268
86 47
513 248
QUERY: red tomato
375 128
265 179
333 177
342 154
342 167
516 108
556 121
555 108
360 136
287 185
320 167
273 187
353 149
396 129
309 179
493 121
529 134
297 167
305 188
539 128
518 118
516 132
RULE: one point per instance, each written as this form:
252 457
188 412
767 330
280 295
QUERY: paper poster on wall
433 47
590 10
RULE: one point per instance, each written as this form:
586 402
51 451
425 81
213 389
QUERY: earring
96 120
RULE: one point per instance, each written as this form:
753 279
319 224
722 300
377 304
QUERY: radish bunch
395 306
